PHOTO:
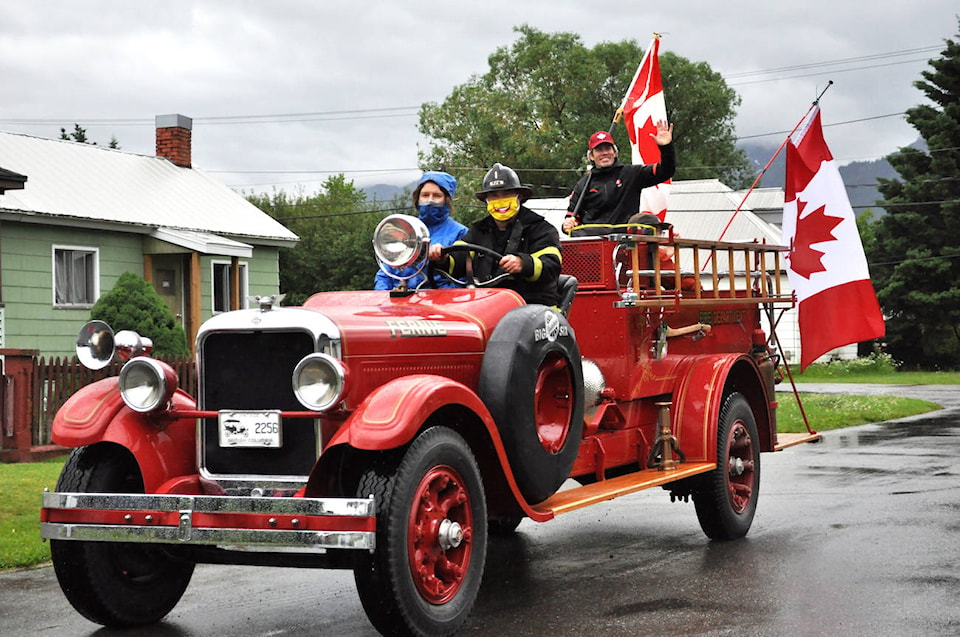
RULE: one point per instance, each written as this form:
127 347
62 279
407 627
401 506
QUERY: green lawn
20 488
22 484
833 411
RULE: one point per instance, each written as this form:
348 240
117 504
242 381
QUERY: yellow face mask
503 209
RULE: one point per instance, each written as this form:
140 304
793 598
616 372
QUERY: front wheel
111 583
424 576
727 499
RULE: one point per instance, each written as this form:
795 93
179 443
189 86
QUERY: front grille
253 370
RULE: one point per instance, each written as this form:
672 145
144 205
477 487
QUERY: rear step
579 497
789 440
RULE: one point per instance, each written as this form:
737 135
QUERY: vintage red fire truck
391 432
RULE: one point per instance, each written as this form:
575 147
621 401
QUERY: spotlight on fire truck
401 241
147 384
95 345
319 381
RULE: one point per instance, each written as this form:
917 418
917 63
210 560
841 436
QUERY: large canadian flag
643 106
826 264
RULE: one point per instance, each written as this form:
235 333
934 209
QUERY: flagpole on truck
773 332
763 171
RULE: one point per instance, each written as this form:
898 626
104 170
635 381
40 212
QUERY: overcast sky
286 92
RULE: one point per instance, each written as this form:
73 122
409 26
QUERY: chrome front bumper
250 523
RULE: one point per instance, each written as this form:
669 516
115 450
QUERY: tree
547 93
133 304
914 256
335 227
79 134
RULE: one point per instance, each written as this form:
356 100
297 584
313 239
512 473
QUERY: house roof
91 186
10 180
698 209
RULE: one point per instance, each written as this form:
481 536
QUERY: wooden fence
58 379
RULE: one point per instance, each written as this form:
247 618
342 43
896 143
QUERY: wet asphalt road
857 535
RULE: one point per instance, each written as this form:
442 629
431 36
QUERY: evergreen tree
133 304
79 135
914 253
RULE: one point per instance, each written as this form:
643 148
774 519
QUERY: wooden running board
789 440
579 497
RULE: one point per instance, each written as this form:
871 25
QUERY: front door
168 280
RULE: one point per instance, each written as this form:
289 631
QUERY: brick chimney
173 138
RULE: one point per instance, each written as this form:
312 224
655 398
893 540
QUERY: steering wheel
471 281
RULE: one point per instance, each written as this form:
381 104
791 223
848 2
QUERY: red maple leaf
816 227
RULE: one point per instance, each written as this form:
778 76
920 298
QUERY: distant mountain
860 177
385 192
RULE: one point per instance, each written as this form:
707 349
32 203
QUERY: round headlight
401 240
319 381
147 384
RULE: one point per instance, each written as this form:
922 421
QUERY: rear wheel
111 583
424 576
727 499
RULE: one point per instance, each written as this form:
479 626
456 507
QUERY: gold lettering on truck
402 328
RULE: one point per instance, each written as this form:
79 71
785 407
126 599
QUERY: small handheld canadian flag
826 264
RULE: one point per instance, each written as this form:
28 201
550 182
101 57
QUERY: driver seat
567 284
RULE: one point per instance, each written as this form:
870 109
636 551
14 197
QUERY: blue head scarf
433 214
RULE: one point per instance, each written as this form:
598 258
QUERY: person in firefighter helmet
529 244
433 201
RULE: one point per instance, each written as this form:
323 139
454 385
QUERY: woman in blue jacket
433 200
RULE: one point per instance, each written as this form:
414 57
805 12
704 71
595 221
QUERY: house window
222 286
76 276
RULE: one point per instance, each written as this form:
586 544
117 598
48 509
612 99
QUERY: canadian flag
643 106
826 264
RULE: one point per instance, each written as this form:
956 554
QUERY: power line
272 118
862 58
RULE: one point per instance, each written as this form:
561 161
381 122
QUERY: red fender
394 413
391 416
163 448
699 397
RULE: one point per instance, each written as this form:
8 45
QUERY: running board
579 497
790 440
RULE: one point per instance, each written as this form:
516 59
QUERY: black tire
531 380
111 583
727 498
422 580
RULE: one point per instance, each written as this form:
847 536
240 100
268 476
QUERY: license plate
250 429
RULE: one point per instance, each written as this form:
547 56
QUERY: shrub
133 304
875 363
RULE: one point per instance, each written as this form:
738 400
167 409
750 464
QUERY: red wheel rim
440 533
740 467
553 402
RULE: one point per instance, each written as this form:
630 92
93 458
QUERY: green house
74 217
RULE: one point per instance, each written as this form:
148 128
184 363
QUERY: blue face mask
433 213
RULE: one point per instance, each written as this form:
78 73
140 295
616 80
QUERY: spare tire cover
531 380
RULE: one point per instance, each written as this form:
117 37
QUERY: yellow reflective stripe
538 264
451 264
